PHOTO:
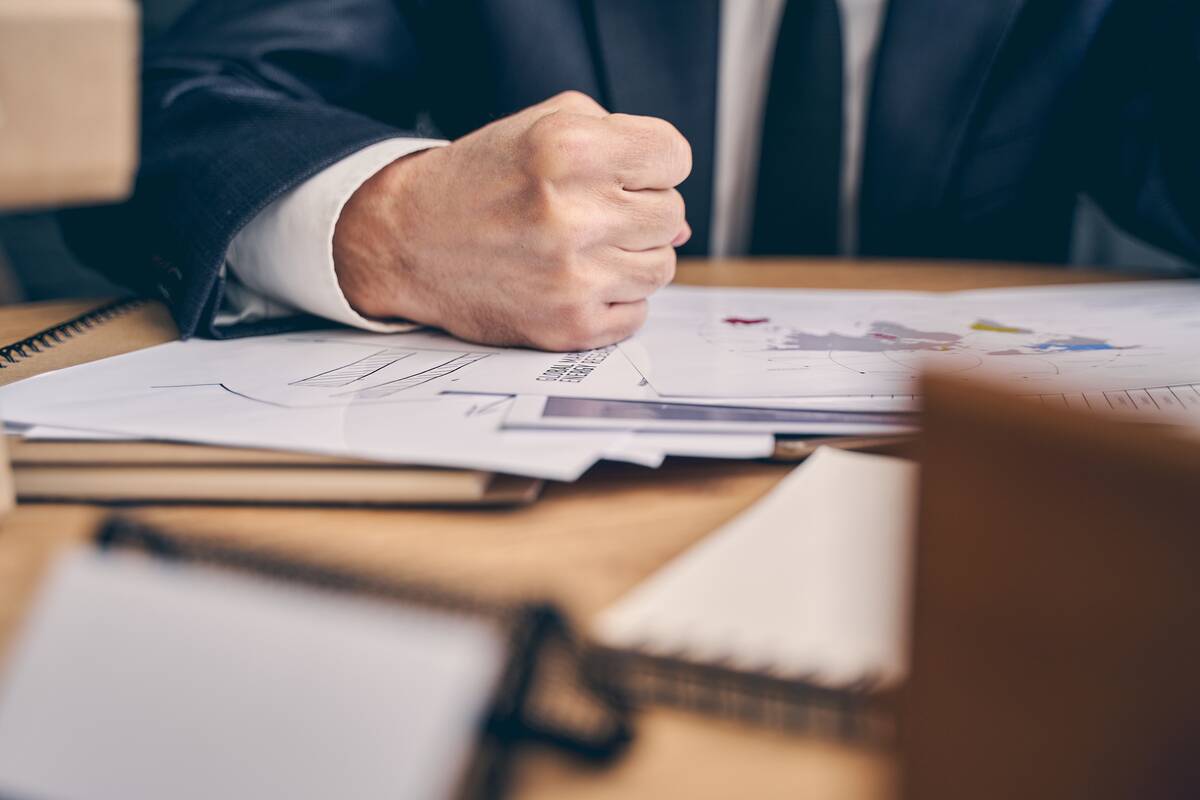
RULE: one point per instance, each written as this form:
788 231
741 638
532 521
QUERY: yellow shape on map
995 327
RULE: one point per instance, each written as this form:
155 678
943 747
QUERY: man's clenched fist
549 228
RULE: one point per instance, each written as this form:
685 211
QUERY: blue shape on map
1073 344
1069 344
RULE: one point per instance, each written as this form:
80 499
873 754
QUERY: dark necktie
799 172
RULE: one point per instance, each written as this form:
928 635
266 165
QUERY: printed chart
1036 341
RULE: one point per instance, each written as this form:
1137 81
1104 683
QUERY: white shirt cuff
283 259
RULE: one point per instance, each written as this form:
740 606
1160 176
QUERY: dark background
43 268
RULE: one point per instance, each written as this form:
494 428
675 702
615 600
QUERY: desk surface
583 545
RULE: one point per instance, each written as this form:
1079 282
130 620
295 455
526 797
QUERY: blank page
137 678
811 582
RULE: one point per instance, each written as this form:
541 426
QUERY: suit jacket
987 117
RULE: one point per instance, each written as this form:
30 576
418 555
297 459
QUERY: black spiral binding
863 712
45 339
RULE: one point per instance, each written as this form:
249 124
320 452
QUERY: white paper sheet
46 433
1051 340
344 393
690 445
651 449
1134 347
140 679
811 581
610 373
459 431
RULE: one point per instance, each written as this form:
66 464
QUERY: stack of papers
714 373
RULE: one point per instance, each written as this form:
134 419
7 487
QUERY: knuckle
575 99
658 140
556 144
540 144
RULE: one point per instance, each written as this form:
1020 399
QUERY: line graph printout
247 393
334 368
315 370
704 342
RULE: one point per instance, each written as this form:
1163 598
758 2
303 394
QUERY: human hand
548 228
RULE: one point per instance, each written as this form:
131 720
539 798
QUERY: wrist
370 253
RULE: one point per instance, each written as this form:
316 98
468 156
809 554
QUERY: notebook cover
41 337
25 453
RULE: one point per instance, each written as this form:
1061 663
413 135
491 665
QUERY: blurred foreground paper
137 678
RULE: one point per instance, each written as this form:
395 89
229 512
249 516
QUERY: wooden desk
583 545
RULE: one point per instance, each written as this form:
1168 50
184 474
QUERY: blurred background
40 267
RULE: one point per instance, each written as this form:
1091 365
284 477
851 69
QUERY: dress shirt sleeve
281 263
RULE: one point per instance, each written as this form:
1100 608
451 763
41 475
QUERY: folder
1056 600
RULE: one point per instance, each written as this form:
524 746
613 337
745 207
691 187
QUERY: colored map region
1061 344
984 337
1071 344
882 337
987 326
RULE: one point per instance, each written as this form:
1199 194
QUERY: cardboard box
68 101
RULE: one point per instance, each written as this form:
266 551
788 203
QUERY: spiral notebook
54 335
793 613
42 337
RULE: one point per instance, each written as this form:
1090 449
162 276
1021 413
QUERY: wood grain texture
911 275
583 545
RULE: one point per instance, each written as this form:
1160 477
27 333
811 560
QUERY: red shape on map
744 321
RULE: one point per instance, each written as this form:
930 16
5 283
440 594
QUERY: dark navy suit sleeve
1141 145
243 100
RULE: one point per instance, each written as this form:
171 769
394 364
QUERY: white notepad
810 583
137 678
